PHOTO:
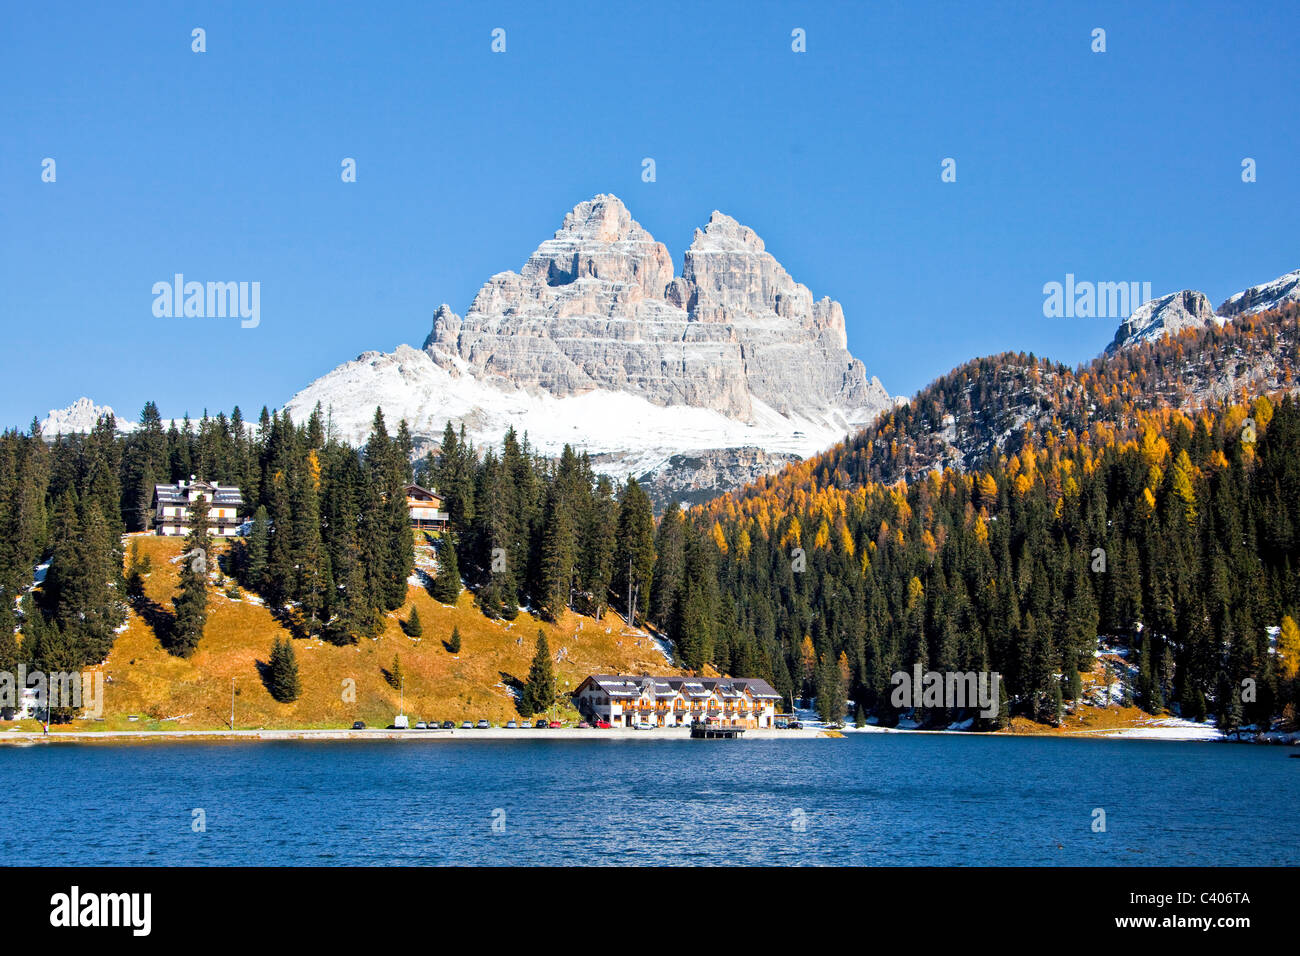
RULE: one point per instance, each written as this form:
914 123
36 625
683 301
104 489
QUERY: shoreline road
412 736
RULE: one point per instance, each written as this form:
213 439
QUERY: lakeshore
1166 729
409 736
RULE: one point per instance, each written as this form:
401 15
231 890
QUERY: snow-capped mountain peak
78 418
1260 298
596 343
1170 314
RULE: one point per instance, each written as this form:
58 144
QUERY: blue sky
1115 166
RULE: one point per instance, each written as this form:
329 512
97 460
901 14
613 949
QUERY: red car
555 724
602 723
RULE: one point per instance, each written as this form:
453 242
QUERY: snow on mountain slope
627 433
78 418
1170 314
1262 297
1167 315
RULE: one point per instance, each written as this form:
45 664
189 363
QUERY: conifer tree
830 692
539 690
557 557
634 552
284 682
669 569
257 551
309 548
446 583
453 643
144 464
191 604
596 549
281 569
356 616
9 653
413 627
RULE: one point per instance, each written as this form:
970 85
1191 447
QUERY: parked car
483 725
466 725
583 725
556 724
541 725
448 725
421 725
603 724
796 725
512 725
643 725
358 725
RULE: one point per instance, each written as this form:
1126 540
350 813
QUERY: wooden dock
715 731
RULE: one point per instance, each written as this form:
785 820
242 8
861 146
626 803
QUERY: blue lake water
869 799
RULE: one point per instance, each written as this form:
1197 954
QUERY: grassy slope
171 693
174 693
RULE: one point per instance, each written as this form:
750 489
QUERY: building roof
424 494
689 686
216 493
758 687
627 686
617 685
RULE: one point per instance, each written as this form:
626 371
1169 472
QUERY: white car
644 726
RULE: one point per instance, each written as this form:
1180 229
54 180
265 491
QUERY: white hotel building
171 515
625 701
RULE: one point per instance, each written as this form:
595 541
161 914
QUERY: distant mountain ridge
1189 309
78 418
988 407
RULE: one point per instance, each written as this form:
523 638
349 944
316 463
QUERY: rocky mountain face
1167 315
696 477
1188 309
598 307
986 408
696 382
79 417
1260 298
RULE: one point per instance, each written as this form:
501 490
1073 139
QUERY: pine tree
557 557
539 690
1228 705
259 540
191 605
634 553
596 550
669 569
281 570
453 643
394 675
445 586
357 615
830 692
1073 681
9 653
452 475
413 627
285 685
144 464
309 548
